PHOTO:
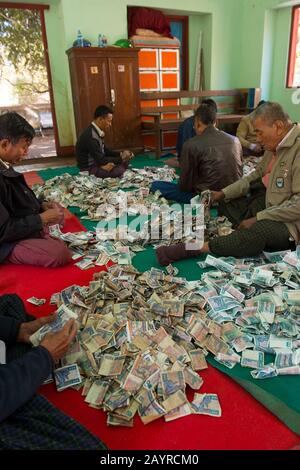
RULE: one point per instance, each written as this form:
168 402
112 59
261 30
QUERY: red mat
245 423
32 177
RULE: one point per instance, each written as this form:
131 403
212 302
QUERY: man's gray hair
271 112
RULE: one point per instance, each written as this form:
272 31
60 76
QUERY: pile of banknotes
143 338
88 192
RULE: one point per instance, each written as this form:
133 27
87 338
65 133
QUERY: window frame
292 47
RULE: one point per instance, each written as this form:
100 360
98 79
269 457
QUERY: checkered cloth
38 425
264 235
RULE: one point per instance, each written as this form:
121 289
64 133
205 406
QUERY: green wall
278 91
245 44
261 52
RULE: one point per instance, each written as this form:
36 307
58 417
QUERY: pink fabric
46 251
265 179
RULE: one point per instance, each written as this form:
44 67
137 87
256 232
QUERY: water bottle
100 41
79 39
104 41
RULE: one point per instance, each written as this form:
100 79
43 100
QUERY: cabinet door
94 90
125 91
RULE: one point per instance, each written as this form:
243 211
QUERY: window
293 76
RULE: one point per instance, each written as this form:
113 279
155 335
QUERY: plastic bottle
79 39
104 41
100 40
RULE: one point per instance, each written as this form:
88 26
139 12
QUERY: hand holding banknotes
51 216
54 205
57 343
217 196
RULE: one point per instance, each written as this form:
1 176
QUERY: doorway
179 26
25 77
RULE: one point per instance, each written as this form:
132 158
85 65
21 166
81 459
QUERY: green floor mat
281 395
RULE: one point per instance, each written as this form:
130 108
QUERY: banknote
206 404
253 359
63 314
66 377
36 301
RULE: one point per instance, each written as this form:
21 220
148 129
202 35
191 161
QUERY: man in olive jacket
265 205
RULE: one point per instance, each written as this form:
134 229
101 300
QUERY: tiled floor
50 162
43 146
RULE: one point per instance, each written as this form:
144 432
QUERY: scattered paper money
36 301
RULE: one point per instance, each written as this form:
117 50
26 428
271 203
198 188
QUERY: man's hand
51 216
127 155
27 329
247 223
108 167
57 343
256 148
217 196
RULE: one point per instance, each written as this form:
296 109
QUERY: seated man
23 218
91 153
265 205
207 160
247 137
29 421
186 131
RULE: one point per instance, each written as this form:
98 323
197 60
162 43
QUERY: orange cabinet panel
169 59
170 103
148 59
169 80
149 81
148 104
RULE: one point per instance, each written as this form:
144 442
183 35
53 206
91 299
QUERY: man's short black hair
260 103
210 102
14 127
206 114
102 111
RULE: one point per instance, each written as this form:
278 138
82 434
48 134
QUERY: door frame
41 8
185 33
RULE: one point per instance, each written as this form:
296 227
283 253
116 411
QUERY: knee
58 255
155 186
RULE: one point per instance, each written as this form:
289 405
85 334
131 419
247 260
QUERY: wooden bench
232 106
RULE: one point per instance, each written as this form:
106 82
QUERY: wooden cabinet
107 76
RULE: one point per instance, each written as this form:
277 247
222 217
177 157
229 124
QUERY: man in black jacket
24 237
91 153
207 161
29 421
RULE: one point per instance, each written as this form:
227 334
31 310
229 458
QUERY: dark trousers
171 192
245 207
116 172
263 235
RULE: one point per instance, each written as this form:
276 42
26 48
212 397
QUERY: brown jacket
283 192
209 160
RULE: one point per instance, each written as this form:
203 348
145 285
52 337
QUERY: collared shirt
100 131
266 177
285 137
5 164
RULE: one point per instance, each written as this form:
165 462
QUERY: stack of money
143 337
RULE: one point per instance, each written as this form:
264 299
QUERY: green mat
281 395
